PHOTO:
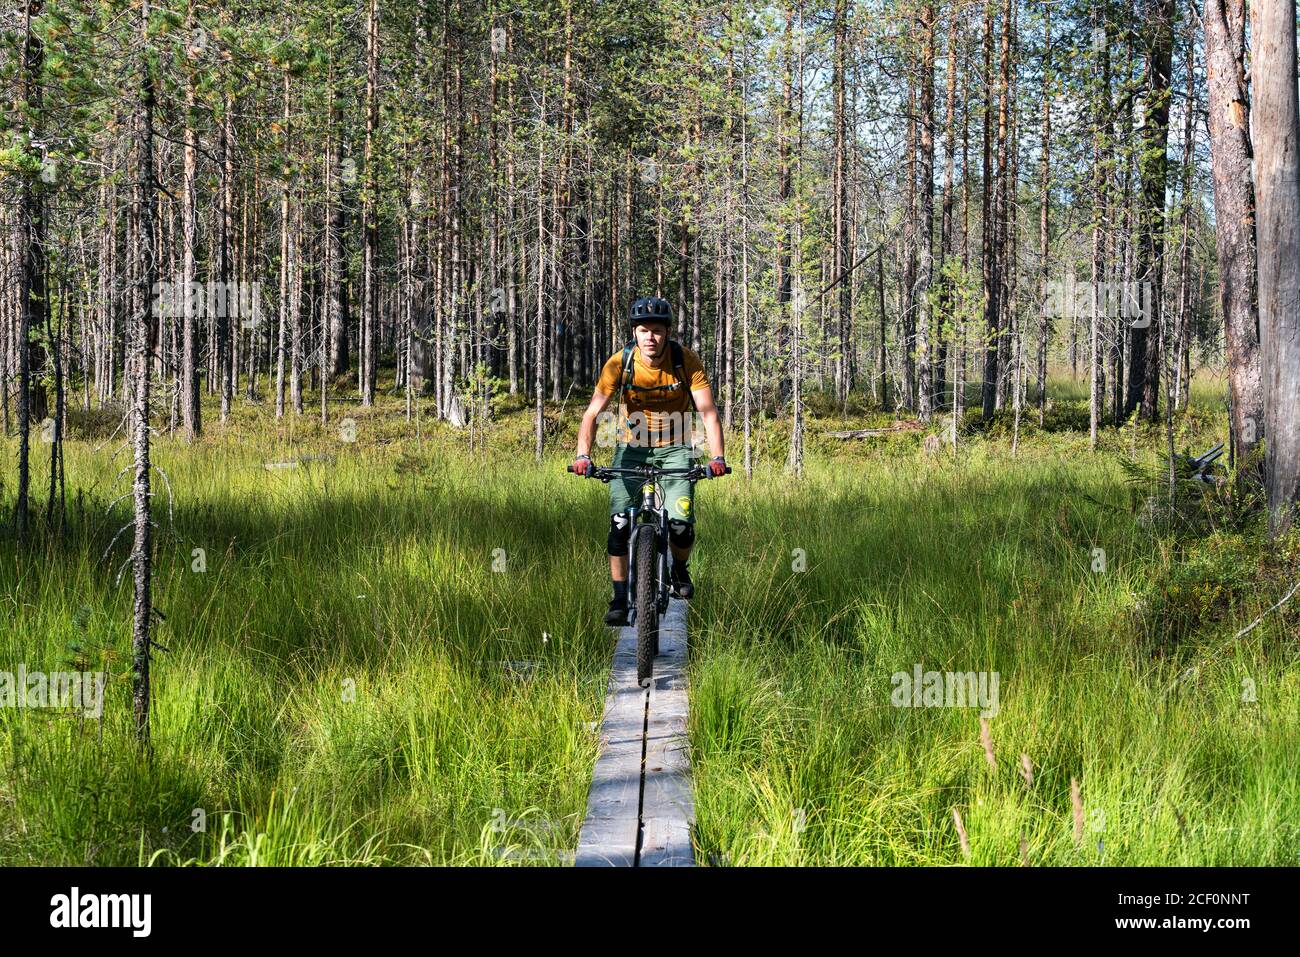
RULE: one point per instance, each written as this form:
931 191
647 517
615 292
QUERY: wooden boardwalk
640 807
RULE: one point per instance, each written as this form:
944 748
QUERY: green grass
986 566
337 685
335 679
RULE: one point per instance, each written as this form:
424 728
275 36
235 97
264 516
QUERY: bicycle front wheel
647 609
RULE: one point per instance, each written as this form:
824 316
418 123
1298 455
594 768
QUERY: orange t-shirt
655 409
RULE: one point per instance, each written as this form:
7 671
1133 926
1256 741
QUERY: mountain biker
653 429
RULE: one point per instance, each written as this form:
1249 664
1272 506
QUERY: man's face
650 339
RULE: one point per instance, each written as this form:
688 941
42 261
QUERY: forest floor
382 647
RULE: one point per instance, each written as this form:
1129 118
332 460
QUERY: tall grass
393 653
987 564
348 680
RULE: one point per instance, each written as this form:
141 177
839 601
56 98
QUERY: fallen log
868 433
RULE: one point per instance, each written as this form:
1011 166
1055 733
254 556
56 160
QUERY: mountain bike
649 583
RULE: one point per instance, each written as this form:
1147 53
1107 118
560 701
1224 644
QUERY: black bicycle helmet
650 309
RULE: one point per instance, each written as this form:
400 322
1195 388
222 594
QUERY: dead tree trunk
1234 207
1276 136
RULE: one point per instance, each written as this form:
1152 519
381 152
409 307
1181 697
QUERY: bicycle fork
661 565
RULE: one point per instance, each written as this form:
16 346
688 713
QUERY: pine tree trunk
988 230
32 302
141 551
370 279
539 344
1096 388
1183 316
924 374
225 334
286 261
1044 204
191 408
840 200
1144 362
1002 207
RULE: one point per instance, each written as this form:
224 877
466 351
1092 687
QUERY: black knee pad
681 534
620 531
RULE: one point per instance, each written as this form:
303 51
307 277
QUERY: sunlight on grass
390 651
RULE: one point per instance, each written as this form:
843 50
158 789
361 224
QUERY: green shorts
678 493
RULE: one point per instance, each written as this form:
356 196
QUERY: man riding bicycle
659 383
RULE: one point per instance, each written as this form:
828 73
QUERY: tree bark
924 374
286 261
370 279
141 551
1144 362
988 230
1276 136
1044 204
191 408
1234 208
32 301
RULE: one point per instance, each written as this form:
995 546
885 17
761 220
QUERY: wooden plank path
640 807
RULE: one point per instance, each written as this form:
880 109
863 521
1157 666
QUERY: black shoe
681 580
617 614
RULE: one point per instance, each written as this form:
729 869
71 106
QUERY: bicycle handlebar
649 471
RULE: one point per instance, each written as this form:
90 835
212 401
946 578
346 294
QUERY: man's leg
620 534
618 567
679 495
681 537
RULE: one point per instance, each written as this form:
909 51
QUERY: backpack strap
679 370
625 369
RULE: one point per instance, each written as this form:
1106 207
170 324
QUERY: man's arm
712 425
587 430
